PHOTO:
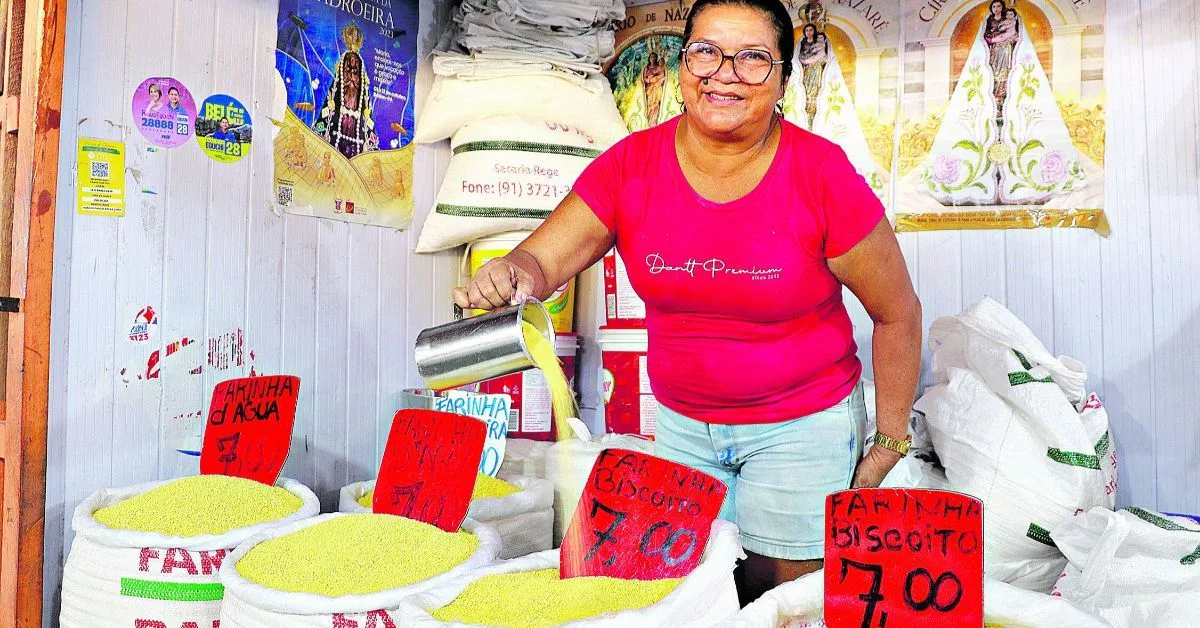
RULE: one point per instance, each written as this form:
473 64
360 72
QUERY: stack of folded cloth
568 39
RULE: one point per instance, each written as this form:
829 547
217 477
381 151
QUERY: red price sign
429 467
249 429
903 557
640 518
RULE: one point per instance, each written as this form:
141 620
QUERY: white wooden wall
339 305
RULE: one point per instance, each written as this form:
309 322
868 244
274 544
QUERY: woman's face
155 93
726 103
809 32
997 8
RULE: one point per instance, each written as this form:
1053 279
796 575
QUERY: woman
813 56
1001 33
740 230
156 102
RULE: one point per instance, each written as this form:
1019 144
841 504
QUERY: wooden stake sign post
640 518
249 429
903 557
429 467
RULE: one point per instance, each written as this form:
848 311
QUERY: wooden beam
27 395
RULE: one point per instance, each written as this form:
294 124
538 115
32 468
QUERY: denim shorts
778 474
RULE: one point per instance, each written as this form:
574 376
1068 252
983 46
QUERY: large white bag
1011 425
706 597
250 605
800 604
507 173
569 462
454 103
1134 567
121 578
524 520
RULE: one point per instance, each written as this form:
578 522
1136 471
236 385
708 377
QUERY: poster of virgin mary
1015 143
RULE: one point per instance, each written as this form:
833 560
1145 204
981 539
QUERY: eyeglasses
751 66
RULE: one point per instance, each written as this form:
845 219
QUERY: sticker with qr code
285 195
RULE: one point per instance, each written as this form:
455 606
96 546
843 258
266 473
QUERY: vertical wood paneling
983 268
362 354
1129 386
139 264
328 447
1169 56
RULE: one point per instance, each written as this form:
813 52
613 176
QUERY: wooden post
23 429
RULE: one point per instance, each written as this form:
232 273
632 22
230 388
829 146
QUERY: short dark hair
781 23
173 89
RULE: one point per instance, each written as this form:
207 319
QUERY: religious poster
1003 115
844 85
344 110
846 80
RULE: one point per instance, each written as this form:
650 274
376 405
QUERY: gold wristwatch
898 446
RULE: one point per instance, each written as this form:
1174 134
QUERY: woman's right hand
496 284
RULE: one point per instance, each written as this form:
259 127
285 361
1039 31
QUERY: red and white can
624 308
531 416
629 404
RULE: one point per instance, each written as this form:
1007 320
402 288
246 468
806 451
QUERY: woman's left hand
874 467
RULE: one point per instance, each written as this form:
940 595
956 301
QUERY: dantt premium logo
713 267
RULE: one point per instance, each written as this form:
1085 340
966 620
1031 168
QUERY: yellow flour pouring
562 400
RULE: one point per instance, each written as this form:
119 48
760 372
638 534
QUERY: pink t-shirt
746 322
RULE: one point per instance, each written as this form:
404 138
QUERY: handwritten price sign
640 518
249 428
492 410
429 466
903 557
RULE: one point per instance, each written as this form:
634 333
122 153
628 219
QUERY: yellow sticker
100 188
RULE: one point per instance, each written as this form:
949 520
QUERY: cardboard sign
249 428
493 410
429 466
640 518
903 557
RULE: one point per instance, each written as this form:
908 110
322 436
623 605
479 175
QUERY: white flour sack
706 597
524 520
1012 427
252 605
800 604
1133 567
455 102
131 579
506 174
569 463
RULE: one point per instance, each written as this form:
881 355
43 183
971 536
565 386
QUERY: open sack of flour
585 105
569 462
520 509
506 173
345 570
799 604
527 592
148 555
1012 426
1133 567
